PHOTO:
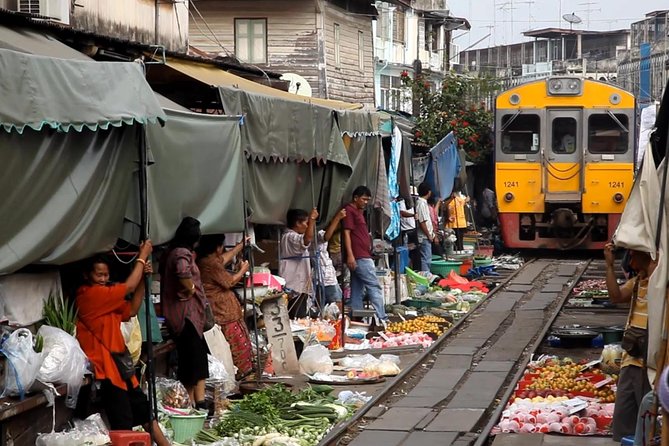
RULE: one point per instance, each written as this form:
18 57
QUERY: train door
563 156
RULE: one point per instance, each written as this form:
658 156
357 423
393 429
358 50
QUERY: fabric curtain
66 193
393 230
196 171
63 94
443 167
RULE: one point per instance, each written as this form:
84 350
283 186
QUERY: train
564 162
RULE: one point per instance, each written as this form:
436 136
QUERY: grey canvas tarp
64 194
277 129
39 92
196 171
67 192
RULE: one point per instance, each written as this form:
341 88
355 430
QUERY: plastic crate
129 438
186 427
444 267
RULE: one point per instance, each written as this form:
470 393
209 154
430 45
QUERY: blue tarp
443 167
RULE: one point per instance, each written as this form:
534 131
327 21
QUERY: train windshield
520 133
607 133
564 135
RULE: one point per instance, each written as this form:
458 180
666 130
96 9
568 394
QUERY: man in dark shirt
359 254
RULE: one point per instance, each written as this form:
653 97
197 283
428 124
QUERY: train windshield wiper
617 121
508 123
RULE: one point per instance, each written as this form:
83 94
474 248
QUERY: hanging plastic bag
23 363
316 359
132 335
63 362
220 348
91 432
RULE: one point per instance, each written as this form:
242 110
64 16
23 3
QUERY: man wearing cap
633 381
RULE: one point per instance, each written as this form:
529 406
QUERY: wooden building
146 21
326 42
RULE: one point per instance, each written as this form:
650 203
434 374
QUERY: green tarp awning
43 92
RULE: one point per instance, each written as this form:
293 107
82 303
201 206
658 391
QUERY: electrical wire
215 39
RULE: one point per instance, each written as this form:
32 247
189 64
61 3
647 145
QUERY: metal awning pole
144 235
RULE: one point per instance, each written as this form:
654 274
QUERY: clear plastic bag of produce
357 399
63 362
90 432
219 376
331 312
316 359
390 358
172 393
23 362
358 361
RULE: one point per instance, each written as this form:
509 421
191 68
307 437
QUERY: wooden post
279 335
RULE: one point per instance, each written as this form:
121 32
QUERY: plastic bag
219 374
390 358
314 359
23 362
63 362
172 393
132 335
358 361
220 348
357 399
90 432
382 368
331 312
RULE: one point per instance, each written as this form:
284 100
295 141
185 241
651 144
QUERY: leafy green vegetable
60 314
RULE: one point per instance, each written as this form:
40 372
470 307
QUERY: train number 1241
511 184
616 184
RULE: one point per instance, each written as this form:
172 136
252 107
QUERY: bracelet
142 261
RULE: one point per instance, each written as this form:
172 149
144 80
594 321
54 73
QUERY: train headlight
565 86
508 197
618 198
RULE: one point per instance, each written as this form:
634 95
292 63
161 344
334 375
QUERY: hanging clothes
393 230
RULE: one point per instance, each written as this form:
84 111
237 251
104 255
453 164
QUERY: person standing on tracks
426 235
633 381
456 216
358 245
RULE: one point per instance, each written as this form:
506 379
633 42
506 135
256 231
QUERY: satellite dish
298 84
572 19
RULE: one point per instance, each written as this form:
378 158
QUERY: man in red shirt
359 254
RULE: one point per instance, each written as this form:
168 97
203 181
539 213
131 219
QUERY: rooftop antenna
588 9
572 19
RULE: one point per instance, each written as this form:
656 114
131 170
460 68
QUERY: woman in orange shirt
102 307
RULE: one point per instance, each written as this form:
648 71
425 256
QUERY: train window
520 133
564 135
607 133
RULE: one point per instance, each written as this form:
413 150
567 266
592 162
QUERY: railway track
455 391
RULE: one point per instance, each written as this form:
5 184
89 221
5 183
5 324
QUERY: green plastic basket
186 427
417 278
444 267
482 261
421 303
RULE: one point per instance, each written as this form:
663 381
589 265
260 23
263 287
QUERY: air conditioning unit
57 10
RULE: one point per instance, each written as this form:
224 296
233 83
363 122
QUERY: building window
431 37
399 21
392 95
361 51
251 40
337 41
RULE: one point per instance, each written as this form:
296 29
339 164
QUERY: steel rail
338 431
492 420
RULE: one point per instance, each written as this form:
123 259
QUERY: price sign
279 335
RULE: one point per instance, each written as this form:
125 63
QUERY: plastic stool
130 438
